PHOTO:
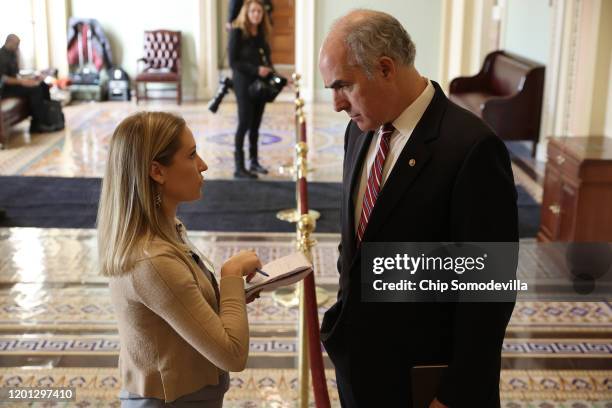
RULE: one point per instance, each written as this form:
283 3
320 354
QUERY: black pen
262 272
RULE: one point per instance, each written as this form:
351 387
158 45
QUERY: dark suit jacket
461 189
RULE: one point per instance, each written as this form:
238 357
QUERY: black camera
225 84
268 88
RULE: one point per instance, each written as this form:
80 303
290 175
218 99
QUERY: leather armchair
507 94
161 62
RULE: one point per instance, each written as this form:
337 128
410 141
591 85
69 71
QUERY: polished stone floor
57 325
81 149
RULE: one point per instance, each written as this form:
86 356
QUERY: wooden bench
12 111
507 94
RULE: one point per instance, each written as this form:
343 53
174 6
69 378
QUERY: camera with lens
225 84
268 88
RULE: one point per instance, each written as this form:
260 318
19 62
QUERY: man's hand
30 83
437 404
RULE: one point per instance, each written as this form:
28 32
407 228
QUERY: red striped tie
374 180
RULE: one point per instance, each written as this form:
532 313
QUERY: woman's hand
253 297
264 71
242 264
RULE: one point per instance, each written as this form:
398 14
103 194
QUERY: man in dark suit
417 168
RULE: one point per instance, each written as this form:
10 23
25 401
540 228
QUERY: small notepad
283 272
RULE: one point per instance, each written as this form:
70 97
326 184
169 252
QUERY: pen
262 272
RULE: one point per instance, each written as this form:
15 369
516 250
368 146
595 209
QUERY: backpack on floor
52 115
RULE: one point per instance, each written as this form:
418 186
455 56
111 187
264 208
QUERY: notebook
283 272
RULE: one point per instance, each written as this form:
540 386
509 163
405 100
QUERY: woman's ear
157 173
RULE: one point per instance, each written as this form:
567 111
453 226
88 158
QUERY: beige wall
526 29
421 18
19 21
608 127
601 94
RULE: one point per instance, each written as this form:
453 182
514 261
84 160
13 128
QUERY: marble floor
57 325
81 149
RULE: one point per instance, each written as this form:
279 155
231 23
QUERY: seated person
35 90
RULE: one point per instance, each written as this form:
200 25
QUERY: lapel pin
412 162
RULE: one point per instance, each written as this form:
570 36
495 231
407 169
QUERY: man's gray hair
377 35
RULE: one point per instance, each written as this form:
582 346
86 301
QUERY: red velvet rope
317 369
303 131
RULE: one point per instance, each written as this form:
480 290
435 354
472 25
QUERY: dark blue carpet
228 205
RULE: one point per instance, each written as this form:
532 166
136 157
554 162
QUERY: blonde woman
180 331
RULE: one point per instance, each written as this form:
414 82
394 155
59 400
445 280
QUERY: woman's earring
157 200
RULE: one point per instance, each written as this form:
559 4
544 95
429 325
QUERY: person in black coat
249 58
446 178
34 90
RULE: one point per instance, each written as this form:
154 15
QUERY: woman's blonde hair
127 215
242 21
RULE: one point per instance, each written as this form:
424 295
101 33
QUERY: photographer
249 58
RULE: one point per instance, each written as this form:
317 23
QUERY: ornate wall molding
207 50
305 53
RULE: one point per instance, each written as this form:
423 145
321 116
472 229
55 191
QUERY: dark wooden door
282 41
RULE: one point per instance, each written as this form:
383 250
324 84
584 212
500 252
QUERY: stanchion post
308 298
310 357
293 214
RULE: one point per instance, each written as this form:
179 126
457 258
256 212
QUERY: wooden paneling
282 41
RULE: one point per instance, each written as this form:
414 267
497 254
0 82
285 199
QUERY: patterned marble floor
278 387
81 149
57 327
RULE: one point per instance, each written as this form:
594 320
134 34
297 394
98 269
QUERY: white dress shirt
404 125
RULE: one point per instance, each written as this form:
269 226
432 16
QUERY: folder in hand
425 382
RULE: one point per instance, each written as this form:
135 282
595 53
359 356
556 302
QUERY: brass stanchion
286 296
292 214
309 352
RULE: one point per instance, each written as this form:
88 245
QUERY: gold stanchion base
286 296
292 215
289 297
289 170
